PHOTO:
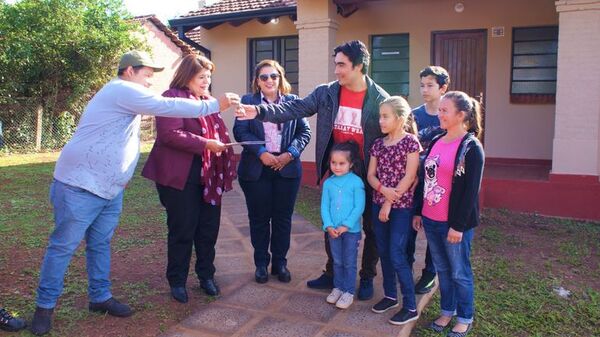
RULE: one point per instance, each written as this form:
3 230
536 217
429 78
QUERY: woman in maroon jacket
192 169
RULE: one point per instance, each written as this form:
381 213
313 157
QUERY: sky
164 9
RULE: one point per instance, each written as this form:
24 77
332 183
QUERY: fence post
38 130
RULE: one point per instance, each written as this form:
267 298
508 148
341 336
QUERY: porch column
316 31
576 146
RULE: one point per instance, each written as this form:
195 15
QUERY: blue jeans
453 266
392 239
344 250
78 214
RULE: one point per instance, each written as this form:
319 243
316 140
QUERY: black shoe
365 291
210 287
112 307
384 305
404 316
9 322
283 274
452 333
322 282
261 275
179 294
425 283
42 321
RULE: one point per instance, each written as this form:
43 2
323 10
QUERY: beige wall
512 131
577 139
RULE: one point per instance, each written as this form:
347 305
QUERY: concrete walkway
276 309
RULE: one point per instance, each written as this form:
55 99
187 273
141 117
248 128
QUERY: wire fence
25 128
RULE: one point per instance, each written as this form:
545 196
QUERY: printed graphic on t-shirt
348 120
433 191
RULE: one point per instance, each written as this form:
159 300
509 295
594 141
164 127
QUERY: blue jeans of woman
453 265
79 214
392 238
344 250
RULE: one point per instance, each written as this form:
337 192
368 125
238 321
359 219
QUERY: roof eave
192 22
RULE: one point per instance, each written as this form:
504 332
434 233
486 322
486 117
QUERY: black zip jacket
463 210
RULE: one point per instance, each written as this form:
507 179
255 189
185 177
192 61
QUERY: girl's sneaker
384 305
404 316
334 296
345 301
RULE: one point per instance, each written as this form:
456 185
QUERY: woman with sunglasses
192 169
270 173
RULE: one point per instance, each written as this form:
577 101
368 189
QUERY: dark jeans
410 249
270 201
392 238
453 263
370 258
191 221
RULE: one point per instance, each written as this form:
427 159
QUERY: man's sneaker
365 291
8 322
42 321
322 282
425 283
334 296
384 305
404 316
112 307
345 301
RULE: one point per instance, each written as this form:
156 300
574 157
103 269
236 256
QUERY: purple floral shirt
391 167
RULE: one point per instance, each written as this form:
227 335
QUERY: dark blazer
463 210
294 138
177 141
325 102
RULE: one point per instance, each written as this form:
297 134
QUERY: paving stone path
275 309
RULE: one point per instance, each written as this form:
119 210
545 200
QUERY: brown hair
284 86
401 108
191 65
472 109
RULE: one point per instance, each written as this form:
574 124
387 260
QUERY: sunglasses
265 77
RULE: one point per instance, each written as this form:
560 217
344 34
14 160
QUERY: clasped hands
276 162
334 233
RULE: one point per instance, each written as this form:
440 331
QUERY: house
167 50
532 63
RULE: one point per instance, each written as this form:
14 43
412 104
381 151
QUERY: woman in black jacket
270 174
447 206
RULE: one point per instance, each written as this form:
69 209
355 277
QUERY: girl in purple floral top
392 171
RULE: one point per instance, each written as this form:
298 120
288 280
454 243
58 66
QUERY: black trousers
191 222
270 201
368 268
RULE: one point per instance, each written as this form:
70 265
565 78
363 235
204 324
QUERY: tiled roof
194 35
168 32
235 6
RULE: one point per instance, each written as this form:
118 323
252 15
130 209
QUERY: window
533 71
389 63
281 49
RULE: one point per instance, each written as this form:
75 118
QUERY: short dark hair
357 52
135 70
441 75
352 152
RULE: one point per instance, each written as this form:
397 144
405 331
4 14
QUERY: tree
55 54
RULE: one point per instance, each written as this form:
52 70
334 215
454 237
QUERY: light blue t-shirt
102 155
343 202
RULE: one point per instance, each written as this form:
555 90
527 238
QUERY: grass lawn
518 260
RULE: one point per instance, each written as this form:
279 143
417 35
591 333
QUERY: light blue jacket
343 202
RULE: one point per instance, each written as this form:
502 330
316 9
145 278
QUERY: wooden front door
463 54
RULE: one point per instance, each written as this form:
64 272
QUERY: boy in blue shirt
434 84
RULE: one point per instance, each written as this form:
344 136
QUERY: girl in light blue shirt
342 206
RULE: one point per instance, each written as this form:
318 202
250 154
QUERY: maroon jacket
177 141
